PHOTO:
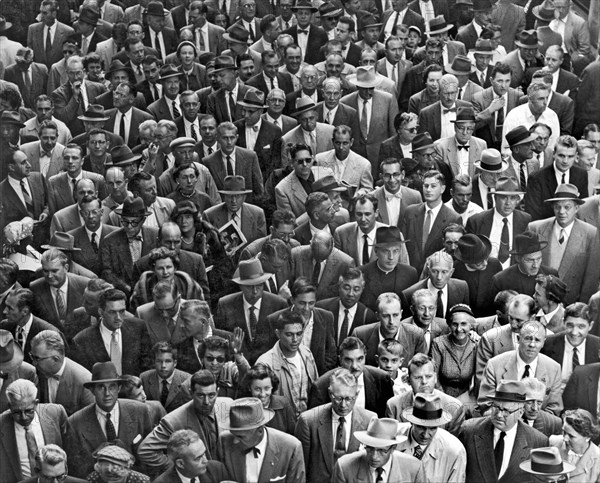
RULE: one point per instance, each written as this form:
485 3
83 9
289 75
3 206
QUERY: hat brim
441 31
119 211
388 244
165 13
303 110
542 245
48 247
504 167
90 384
252 281
579 201
10 121
125 162
526 467
488 249
481 52
179 74
88 22
241 192
268 414
16 360
333 13
506 399
305 7
430 423
528 46
450 70
373 442
7 26
508 193
228 37
251 106
528 139
420 148
229 67
92 119
378 25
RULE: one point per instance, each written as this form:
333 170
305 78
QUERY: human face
48 14
561 8
8 131
304 305
586 159
538 101
531 340
112 472
342 32
187 55
334 65
97 145
386 361
246 70
262 389
156 22
541 142
151 72
394 51
21 167
94 72
517 316
13 313
353 360
91 214
460 326
106 394
303 16
552 60
378 457
577 329
252 293
115 180
193 324
226 78
501 83
204 398
290 338
432 190
113 314
23 411
227 139
191 106
423 310
448 95
505 414
463 131
433 83
530 263
117 77
461 196
540 296
594 138
392 177
47 361
413 41
192 461
565 212
208 131
532 409
422 434
75 72
389 315
136 53
564 158
422 379
165 364
482 61
72 162
55 273
44 110
506 204
342 398
171 87
164 269
574 441
309 79
276 103
148 191
251 116
399 5
135 31
342 142
234 202
302 164
214 360
187 180
293 58
387 257
283 232
350 291
366 216
371 35
407 131
166 306
433 55
52 473
451 241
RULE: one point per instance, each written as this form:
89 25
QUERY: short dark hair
429 69
136 180
111 295
164 347
202 378
388 161
288 317
364 198
434 173
214 343
420 360
283 217
501 68
128 384
299 147
23 297
258 373
578 310
266 22
9 272
314 201
349 22
350 344
177 170
301 286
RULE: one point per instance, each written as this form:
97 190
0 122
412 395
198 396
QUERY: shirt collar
98 232
247 305
351 311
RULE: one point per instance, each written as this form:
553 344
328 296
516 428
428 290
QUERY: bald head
170 236
321 245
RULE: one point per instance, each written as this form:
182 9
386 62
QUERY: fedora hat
386 236
234 185
507 186
167 71
460 65
62 241
328 9
304 4
546 461
11 117
250 272
482 5
103 372
519 135
510 391
438 25
132 209
526 243
302 105
115 66
11 354
89 15
123 156
247 413
565 192
370 21
491 161
380 432
253 99
483 47
527 39
327 183
543 12
94 112
465 113
421 141
473 249
4 25
156 9
237 33
223 62
427 411
366 77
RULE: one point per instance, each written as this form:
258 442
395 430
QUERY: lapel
247 221
484 447
519 453
325 435
437 117
47 300
452 153
10 446
90 430
574 243
153 386
437 227
359 421
65 192
592 391
10 192
127 423
364 474
271 460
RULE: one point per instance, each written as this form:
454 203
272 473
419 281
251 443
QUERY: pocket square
279 478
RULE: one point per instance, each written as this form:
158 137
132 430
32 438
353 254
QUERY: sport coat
493 342
314 429
160 110
187 355
345 115
134 423
36 41
548 424
24 371
517 72
378 389
448 150
474 76
267 146
354 468
60 189
290 194
582 389
155 323
217 104
577 36
477 436
33 151
336 265
458 293
469 90
324 141
66 219
409 197
430 118
357 169
286 123
177 396
504 366
253 220
37 326
577 268
39 81
290 99
588 97
346 239
411 226
284 81
590 211
362 316
88 257
107 50
66 106
169 39
137 117
316 38
486 121
554 347
467 35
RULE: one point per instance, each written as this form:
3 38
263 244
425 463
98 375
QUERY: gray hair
20 390
387 297
51 338
51 454
179 441
342 376
448 80
423 292
332 81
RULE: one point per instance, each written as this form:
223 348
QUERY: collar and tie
526 372
94 242
340 438
462 146
418 452
575 357
111 433
254 450
446 111
504 242
302 31
176 112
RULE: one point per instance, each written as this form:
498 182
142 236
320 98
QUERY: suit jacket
215 473
24 371
96 38
217 105
345 115
137 117
43 301
554 347
88 347
324 141
39 81
588 97
155 323
284 81
32 150
577 267
547 423
290 100
474 76
267 146
336 265
378 389
346 239
377 282
287 123
411 17
467 35
169 39
253 220
88 257
177 396
495 341
115 257
37 326
590 211
477 436
107 50
246 165
517 72
55 429
582 389
134 422
315 432
61 189
430 118
409 197
504 366
447 149
577 36
67 108
486 121
290 194
283 460
36 41
362 316
66 219
357 169
354 468
411 226
316 38
458 293
160 110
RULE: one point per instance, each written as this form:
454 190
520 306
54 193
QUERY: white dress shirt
342 315
392 22
114 418
435 211
446 124
496 235
559 175
567 362
254 464
107 338
559 25
435 292
360 241
231 160
335 422
521 366
556 231
303 40
64 290
385 475
309 327
188 127
52 29
252 134
177 103
392 202
53 383
329 114
360 397
160 48
21 439
509 442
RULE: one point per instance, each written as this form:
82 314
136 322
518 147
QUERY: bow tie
391 197
253 449
463 146
305 32
446 111
45 153
53 376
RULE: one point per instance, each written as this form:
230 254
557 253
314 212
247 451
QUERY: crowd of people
299 241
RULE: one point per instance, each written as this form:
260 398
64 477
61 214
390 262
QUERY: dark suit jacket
541 186
87 257
246 165
582 389
377 282
477 436
316 38
37 325
284 81
160 110
88 347
61 190
144 89
487 73
67 108
35 40
187 358
267 146
345 115
39 80
411 17
217 105
390 148
458 293
169 38
134 421
362 317
486 121
378 389
467 35
43 302
137 117
430 118
215 473
411 227
253 220
554 347
177 396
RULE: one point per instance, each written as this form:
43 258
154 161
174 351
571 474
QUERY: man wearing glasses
51 466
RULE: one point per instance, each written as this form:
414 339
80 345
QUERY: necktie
272 285
522 179
201 43
234 218
344 328
154 90
164 393
561 238
313 141
193 132
136 248
74 188
316 273
272 84
111 433
122 128
481 79
210 151
526 371
32 447
446 111
176 112
418 452
224 7
575 358
27 198
364 127
394 76
287 24
504 242
463 146
499 123
251 31
115 352
84 46
140 73
231 106
499 452
254 450
94 243
395 21
158 47
20 336
340 438
328 117
439 311
48 44
460 93
60 305
27 88
302 31
426 227
253 321
562 179
365 251
490 200
230 171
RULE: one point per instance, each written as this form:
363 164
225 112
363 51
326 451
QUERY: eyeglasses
36 360
133 223
219 359
284 236
23 412
340 400
389 176
505 412
460 128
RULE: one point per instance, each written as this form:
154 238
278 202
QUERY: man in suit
46 422
372 129
581 392
523 55
45 155
321 443
70 217
549 294
30 77
332 111
469 34
375 385
161 314
572 244
414 81
249 219
567 83
46 38
282 228
156 34
202 27
305 34
222 104
462 68
94 424
394 65
86 33
270 77
486 461
124 119
44 111
545 422
308 76
400 14
274 113
521 163
439 29
483 53
61 380
123 247
576 35
169 105
52 460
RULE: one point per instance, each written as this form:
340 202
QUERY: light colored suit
290 195
354 468
32 150
67 219
60 193
112 13
401 71
493 342
469 90
577 36
324 141
357 169
409 197
32 127
447 149
590 211
107 49
36 40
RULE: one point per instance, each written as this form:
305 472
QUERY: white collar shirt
342 315
52 29
197 343
521 366
547 317
557 230
385 474
444 298
447 117
202 31
567 362
559 25
16 186
177 102
435 211
161 42
517 167
45 158
278 122
21 439
509 442
107 338
170 160
396 18
114 417
309 327
392 202
463 157
98 233
247 306
496 234
335 422
64 290
314 229
391 70
188 127
303 39
85 43
26 328
427 11
339 167
53 382
559 175
252 134
271 83
185 479
254 463
472 209
231 160
360 241
329 114
478 28
360 397
151 220
310 137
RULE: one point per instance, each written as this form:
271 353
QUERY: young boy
389 359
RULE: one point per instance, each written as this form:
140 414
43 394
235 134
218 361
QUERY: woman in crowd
131 388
